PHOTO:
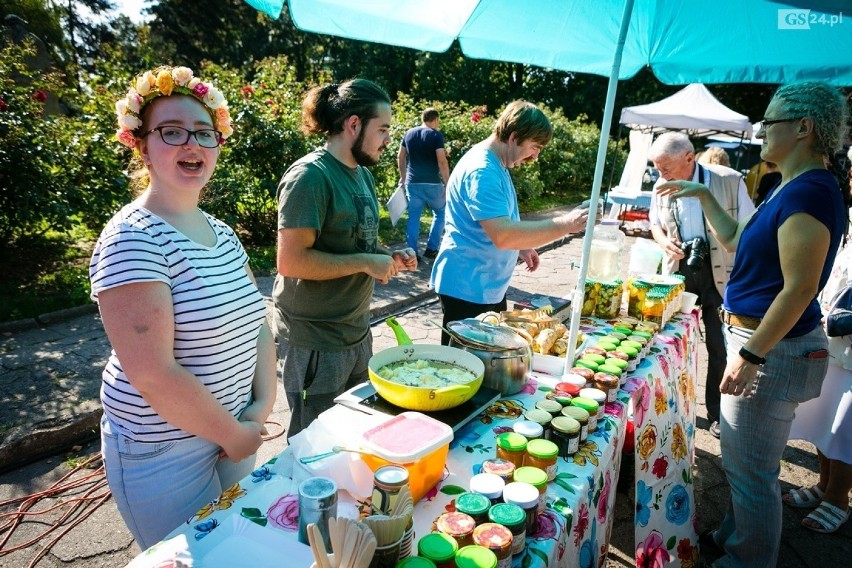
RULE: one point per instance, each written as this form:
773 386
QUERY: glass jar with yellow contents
654 306
636 291
590 298
609 299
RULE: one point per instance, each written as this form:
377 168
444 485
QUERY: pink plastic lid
407 437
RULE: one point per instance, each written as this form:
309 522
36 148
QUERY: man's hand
381 267
573 221
530 257
405 259
671 247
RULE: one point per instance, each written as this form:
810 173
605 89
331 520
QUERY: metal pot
505 354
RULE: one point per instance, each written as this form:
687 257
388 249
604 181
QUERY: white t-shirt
218 313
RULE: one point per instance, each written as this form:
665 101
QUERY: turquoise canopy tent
723 41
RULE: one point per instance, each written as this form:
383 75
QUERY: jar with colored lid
629 350
513 518
589 406
581 416
528 429
637 342
526 497
474 504
439 548
538 479
608 384
475 556
583 372
457 525
598 396
563 398
617 354
590 298
587 363
565 434
594 350
569 389
542 454
512 446
609 299
606 344
610 369
622 328
617 335
616 361
550 406
415 562
643 332
497 539
488 484
501 468
593 357
542 417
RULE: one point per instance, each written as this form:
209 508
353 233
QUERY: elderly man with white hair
691 247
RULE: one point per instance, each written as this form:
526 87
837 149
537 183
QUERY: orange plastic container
415 441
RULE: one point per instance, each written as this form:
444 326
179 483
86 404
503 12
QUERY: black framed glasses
766 122
179 136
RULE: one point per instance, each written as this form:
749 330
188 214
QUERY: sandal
804 497
827 518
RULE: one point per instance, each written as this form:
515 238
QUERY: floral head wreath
165 81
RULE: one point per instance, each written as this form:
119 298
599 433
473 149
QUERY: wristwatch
751 357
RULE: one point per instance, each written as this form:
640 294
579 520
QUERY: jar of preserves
538 479
568 389
584 372
513 518
636 297
608 384
541 417
581 416
497 539
616 361
474 504
501 468
524 496
489 485
457 525
590 298
439 548
542 454
415 562
550 406
566 435
512 446
609 299
475 556
528 429
589 406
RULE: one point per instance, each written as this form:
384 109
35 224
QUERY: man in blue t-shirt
423 172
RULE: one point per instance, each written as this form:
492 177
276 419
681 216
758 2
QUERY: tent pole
612 166
577 301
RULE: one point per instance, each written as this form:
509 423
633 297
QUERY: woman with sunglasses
776 348
191 377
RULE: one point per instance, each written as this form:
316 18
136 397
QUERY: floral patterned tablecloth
575 529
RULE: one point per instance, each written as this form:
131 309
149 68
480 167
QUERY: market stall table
254 522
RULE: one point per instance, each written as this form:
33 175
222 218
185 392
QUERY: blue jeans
754 435
433 195
157 487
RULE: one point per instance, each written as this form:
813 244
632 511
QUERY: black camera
696 251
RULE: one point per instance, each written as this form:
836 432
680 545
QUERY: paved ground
49 380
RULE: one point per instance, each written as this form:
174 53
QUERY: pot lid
479 334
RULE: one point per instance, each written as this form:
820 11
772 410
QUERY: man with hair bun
328 250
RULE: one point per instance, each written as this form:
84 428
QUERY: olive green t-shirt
319 192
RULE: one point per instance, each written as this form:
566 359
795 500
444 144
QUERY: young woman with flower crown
191 378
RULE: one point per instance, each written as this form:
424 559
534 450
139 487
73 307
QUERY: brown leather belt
746 322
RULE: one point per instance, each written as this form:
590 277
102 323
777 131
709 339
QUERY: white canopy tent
693 108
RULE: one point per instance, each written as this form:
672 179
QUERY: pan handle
401 336
452 389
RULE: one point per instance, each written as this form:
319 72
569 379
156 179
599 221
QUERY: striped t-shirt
218 313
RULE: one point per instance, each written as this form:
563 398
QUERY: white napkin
338 426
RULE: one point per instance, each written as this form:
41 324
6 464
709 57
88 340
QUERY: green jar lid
637 345
616 362
512 441
437 546
606 345
415 562
532 475
475 556
625 331
587 363
586 404
618 335
641 333
473 504
628 350
550 406
566 424
507 514
543 449
581 415
538 415
610 369
594 357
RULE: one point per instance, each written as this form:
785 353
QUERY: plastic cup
688 300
